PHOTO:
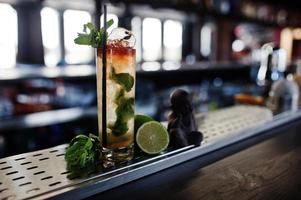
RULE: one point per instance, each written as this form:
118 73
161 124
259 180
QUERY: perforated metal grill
38 173
229 121
26 175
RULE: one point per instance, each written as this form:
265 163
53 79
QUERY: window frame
163 15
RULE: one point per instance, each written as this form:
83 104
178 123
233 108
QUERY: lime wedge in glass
140 120
152 137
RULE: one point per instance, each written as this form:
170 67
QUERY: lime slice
140 120
152 137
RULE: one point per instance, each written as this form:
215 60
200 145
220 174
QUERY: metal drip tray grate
43 174
30 174
230 121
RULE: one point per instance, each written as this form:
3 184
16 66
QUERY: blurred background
211 48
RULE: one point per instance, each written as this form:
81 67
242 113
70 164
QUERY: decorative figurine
182 126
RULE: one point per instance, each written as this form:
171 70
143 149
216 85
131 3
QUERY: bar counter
267 167
246 153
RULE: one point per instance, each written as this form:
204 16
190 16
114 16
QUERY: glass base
111 157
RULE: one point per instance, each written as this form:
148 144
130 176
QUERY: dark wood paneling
225 29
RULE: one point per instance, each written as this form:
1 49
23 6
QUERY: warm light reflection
151 39
73 23
8 36
173 40
286 42
51 36
297 33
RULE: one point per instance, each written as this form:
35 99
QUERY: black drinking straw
104 76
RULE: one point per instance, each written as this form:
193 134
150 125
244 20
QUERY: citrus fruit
152 137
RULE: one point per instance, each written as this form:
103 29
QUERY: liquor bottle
284 92
284 96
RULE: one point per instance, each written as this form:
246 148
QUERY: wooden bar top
270 169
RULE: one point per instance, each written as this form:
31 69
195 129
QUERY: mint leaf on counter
91 35
83 155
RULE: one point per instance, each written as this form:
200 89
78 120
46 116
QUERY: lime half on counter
152 137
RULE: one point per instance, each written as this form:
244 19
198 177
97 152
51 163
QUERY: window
8 36
51 36
172 40
110 16
136 29
73 23
151 39
154 36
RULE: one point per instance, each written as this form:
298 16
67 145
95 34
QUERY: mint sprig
92 36
83 155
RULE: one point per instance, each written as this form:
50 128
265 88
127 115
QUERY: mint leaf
110 23
91 35
123 79
83 155
125 106
124 112
83 39
90 26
